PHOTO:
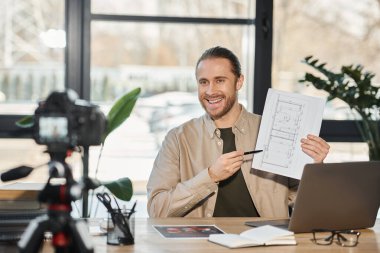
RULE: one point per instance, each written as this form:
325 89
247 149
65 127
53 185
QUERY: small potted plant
354 86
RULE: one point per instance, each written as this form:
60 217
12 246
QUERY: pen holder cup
120 227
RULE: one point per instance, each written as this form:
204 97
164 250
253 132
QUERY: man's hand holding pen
227 164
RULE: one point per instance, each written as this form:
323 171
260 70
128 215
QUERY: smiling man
201 169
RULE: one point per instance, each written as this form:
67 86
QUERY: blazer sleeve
169 195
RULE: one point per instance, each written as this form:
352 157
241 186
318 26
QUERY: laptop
335 196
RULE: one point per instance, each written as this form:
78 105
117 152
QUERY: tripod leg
33 236
81 237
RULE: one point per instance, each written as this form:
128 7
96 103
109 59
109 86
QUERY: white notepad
260 236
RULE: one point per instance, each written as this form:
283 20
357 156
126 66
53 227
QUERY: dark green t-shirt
233 199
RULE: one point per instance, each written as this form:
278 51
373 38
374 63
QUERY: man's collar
240 123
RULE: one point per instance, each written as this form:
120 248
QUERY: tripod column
85 175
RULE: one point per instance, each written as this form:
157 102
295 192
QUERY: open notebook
261 236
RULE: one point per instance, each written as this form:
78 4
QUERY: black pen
132 210
253 152
118 207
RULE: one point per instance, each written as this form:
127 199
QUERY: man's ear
240 82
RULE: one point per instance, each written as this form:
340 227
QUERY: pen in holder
120 227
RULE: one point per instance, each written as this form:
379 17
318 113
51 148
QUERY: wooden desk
148 240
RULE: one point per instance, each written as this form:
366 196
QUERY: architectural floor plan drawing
287 118
283 133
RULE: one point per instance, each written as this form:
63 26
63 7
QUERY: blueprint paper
287 118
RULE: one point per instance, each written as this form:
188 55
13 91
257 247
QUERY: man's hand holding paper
289 132
316 147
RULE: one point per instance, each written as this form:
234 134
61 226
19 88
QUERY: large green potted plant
119 112
354 86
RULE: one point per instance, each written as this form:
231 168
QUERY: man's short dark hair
221 52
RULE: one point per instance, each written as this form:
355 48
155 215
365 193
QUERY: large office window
32 42
103 49
177 8
336 32
157 51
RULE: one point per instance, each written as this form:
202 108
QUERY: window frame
78 19
331 130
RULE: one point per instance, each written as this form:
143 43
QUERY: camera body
63 122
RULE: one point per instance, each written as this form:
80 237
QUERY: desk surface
148 240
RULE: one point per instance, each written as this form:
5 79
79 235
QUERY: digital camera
63 121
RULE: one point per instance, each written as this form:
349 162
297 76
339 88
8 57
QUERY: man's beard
230 101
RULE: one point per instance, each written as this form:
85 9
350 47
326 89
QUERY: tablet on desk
187 231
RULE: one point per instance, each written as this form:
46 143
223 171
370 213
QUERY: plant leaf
307 58
121 110
354 86
25 122
121 188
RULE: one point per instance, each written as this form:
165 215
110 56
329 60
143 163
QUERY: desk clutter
148 239
266 235
120 223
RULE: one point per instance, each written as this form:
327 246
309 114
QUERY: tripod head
60 194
